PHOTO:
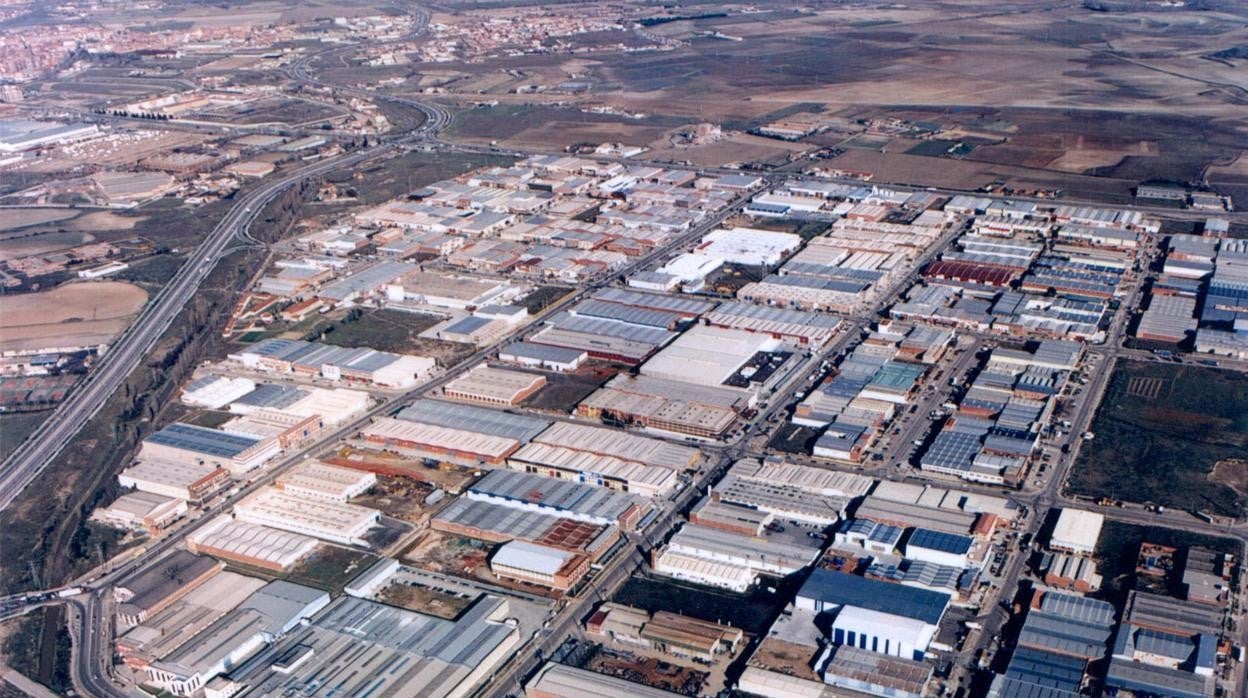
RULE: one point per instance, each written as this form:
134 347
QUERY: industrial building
937 547
1076 573
439 442
158 585
190 444
334 521
192 482
662 405
570 500
498 523
542 565
318 480
555 680
713 357
142 511
676 635
1061 634
360 365
746 557
494 386
791 492
863 671
1165 647
251 544
545 357
748 246
171 627
1077 531
884 618
214 392
803 327
262 619
427 657
606 458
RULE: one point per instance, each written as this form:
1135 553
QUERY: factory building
251 544
948 549
1061 634
192 482
803 327
1077 531
497 523
289 430
426 657
669 633
161 583
360 365
494 386
142 511
179 622
1063 571
746 557
542 565
667 406
606 458
712 357
791 492
262 619
545 357
570 500
438 442
879 617
562 681
328 520
749 247
214 392
317 480
190 444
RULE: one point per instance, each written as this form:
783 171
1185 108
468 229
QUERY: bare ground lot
1159 433
14 246
71 315
14 218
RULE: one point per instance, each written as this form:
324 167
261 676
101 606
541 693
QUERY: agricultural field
1169 435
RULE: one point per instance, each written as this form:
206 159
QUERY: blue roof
839 589
468 324
210 442
1032 666
938 540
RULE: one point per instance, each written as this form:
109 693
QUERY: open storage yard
1159 434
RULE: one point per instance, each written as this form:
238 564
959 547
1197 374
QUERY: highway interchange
89 613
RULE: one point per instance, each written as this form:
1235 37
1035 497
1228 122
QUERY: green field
15 427
1160 431
383 330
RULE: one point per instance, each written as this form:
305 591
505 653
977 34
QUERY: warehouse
666 632
562 681
791 492
192 482
699 570
806 328
542 565
161 583
682 305
1168 319
880 617
606 458
948 549
494 386
518 427
214 392
177 623
861 671
334 406
438 442
1077 531
335 363
708 356
1071 572
570 500
453 291
264 617
142 511
317 480
190 444
289 430
251 544
497 523
333 521
756 556
654 403
545 357
745 521
427 657
909 515
749 247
